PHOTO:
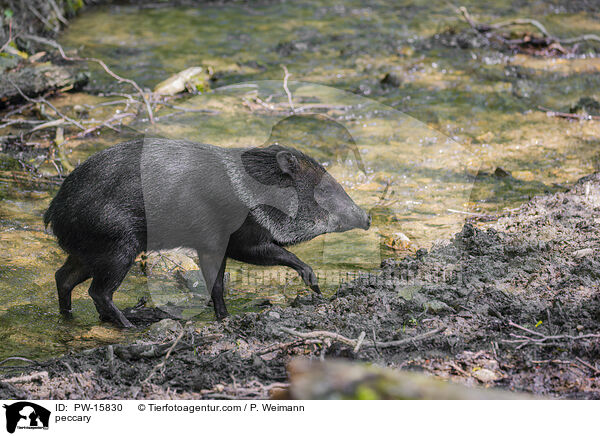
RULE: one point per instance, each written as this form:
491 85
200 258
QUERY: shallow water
454 114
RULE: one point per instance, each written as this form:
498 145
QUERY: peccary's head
323 205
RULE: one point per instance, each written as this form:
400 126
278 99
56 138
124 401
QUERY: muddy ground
513 304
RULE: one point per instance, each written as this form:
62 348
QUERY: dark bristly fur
100 214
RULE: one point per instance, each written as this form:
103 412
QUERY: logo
26 415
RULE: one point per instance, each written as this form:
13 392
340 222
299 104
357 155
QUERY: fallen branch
24 359
254 390
285 87
162 364
47 103
320 334
42 375
283 346
541 339
99 62
116 117
552 113
586 37
586 364
11 121
58 13
548 39
359 342
521 21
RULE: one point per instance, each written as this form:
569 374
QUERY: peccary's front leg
270 254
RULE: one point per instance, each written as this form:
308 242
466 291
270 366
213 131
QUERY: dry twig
320 334
586 364
541 339
483 28
286 89
552 113
99 62
24 359
164 362
41 376
47 103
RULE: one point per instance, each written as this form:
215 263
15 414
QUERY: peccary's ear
287 162
262 165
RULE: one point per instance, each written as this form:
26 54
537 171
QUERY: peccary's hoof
221 316
126 324
122 322
67 314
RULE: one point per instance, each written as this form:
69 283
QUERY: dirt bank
513 304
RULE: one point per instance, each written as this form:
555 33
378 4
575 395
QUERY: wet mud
511 304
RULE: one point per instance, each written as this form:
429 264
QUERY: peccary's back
101 201
150 194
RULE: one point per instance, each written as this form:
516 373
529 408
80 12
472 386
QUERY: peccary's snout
367 223
350 217
359 219
344 214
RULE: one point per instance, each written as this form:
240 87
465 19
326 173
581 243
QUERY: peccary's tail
49 214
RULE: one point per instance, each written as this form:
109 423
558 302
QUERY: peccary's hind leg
72 273
214 273
217 293
105 282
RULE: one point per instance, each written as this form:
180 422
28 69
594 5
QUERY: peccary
244 204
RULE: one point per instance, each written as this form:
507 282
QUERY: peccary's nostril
368 222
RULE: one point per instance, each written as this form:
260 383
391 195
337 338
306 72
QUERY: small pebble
583 252
485 375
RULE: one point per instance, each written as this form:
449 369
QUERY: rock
164 327
37 79
290 47
391 80
523 88
140 351
485 375
194 77
436 306
408 292
501 173
397 241
583 253
8 61
274 315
